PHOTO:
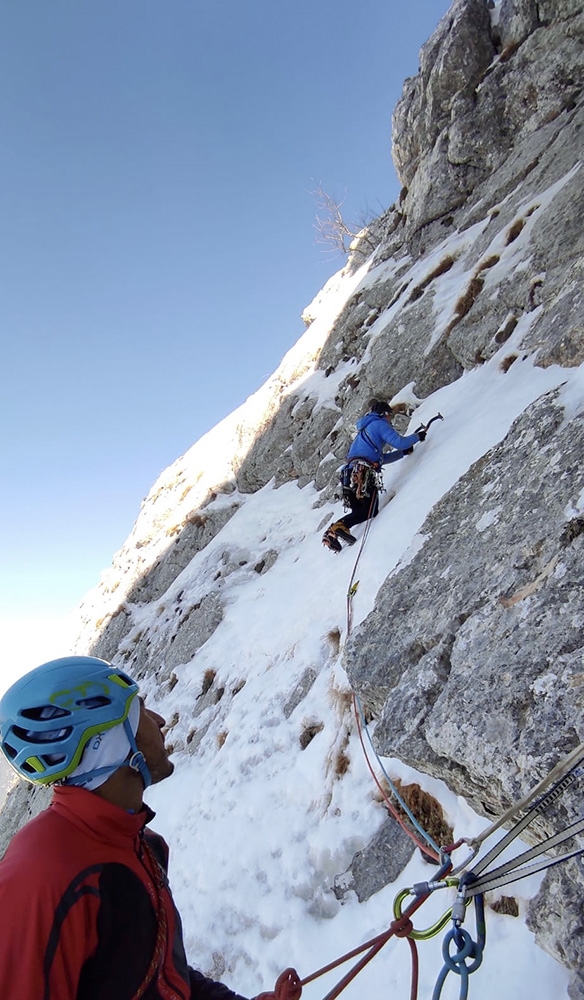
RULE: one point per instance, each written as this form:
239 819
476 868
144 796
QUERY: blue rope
394 791
467 948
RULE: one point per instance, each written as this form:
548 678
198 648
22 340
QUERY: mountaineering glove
421 434
287 987
409 451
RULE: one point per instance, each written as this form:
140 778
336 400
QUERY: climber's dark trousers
361 509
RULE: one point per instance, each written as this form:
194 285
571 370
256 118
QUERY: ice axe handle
424 427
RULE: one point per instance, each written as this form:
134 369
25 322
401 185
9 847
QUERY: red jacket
84 906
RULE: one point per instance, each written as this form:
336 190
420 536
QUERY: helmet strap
137 761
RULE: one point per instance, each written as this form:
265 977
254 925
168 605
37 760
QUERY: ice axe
424 427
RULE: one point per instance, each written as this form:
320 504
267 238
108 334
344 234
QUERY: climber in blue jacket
361 477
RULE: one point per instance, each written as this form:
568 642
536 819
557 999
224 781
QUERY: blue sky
157 242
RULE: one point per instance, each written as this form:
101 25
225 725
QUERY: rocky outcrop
485 85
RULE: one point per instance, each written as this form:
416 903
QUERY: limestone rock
380 863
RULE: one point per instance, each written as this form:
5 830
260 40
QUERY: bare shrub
334 230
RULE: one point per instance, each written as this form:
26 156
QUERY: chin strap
135 759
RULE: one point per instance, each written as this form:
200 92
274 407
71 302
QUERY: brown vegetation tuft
342 764
506 330
310 730
507 905
444 265
334 640
507 362
508 51
208 678
488 262
514 230
427 810
469 297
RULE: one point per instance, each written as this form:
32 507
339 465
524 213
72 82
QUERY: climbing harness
360 477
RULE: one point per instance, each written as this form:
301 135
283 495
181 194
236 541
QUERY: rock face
509 619
482 256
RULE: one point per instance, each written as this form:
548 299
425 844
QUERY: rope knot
403 927
288 987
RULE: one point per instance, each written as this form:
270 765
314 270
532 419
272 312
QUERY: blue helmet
48 716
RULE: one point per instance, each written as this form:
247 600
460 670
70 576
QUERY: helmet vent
98 701
42 712
49 736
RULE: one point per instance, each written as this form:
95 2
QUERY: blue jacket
374 432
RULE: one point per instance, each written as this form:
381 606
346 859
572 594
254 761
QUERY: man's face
150 741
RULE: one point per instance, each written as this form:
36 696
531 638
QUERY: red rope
415 969
401 927
425 848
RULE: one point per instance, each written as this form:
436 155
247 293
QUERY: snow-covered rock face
485 85
467 646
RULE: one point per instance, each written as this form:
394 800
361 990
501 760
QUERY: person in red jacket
87 912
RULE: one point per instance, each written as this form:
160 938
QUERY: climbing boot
341 532
331 541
